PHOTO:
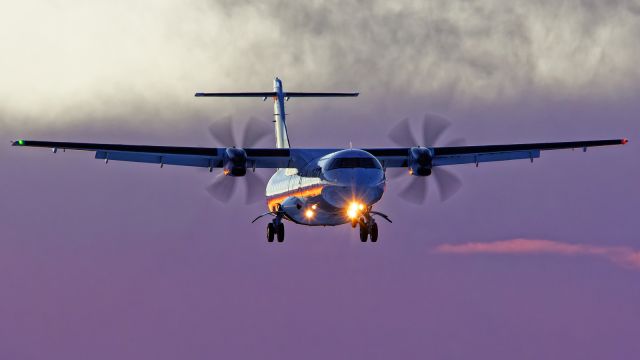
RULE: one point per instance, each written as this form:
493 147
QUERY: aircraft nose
342 196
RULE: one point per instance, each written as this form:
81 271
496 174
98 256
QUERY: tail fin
279 96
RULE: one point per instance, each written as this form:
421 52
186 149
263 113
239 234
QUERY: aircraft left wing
453 155
168 155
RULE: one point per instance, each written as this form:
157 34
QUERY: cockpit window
353 162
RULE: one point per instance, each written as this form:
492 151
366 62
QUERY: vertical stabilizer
282 139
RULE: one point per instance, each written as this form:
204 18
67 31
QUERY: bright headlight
354 209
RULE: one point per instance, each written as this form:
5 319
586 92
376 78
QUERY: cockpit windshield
353 162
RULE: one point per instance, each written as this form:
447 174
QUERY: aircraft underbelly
323 214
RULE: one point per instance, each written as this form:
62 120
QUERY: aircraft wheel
374 232
271 232
363 233
280 232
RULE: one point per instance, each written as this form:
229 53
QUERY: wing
397 157
168 155
298 158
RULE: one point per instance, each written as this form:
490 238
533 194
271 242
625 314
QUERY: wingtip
624 141
17 143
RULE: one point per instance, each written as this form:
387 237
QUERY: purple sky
131 261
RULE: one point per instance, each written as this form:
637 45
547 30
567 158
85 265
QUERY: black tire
271 231
280 232
363 233
373 234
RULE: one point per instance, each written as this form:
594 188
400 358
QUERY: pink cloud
620 255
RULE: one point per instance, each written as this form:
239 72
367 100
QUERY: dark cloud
128 60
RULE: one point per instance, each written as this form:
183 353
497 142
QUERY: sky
131 261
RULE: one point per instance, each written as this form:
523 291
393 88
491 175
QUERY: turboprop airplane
325 187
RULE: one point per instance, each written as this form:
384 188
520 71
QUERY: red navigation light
624 141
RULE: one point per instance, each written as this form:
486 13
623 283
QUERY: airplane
321 186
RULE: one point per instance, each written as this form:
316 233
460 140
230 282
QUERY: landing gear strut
275 229
368 228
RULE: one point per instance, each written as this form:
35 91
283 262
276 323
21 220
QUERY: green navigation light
20 142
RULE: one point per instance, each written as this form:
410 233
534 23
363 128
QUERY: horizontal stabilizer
318 94
271 94
238 94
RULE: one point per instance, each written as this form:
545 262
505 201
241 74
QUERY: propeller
223 187
433 126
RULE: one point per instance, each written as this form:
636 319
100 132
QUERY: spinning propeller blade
415 192
255 185
433 126
401 134
222 132
254 131
448 183
223 187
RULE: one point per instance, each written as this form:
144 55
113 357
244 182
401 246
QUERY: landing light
309 213
354 209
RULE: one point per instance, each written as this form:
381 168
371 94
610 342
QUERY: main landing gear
275 229
368 228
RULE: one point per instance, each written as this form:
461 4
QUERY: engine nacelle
420 161
235 162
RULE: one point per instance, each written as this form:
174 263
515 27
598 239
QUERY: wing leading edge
284 158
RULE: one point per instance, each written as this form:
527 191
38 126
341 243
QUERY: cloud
619 255
72 60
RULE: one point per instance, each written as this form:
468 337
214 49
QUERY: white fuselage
323 192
